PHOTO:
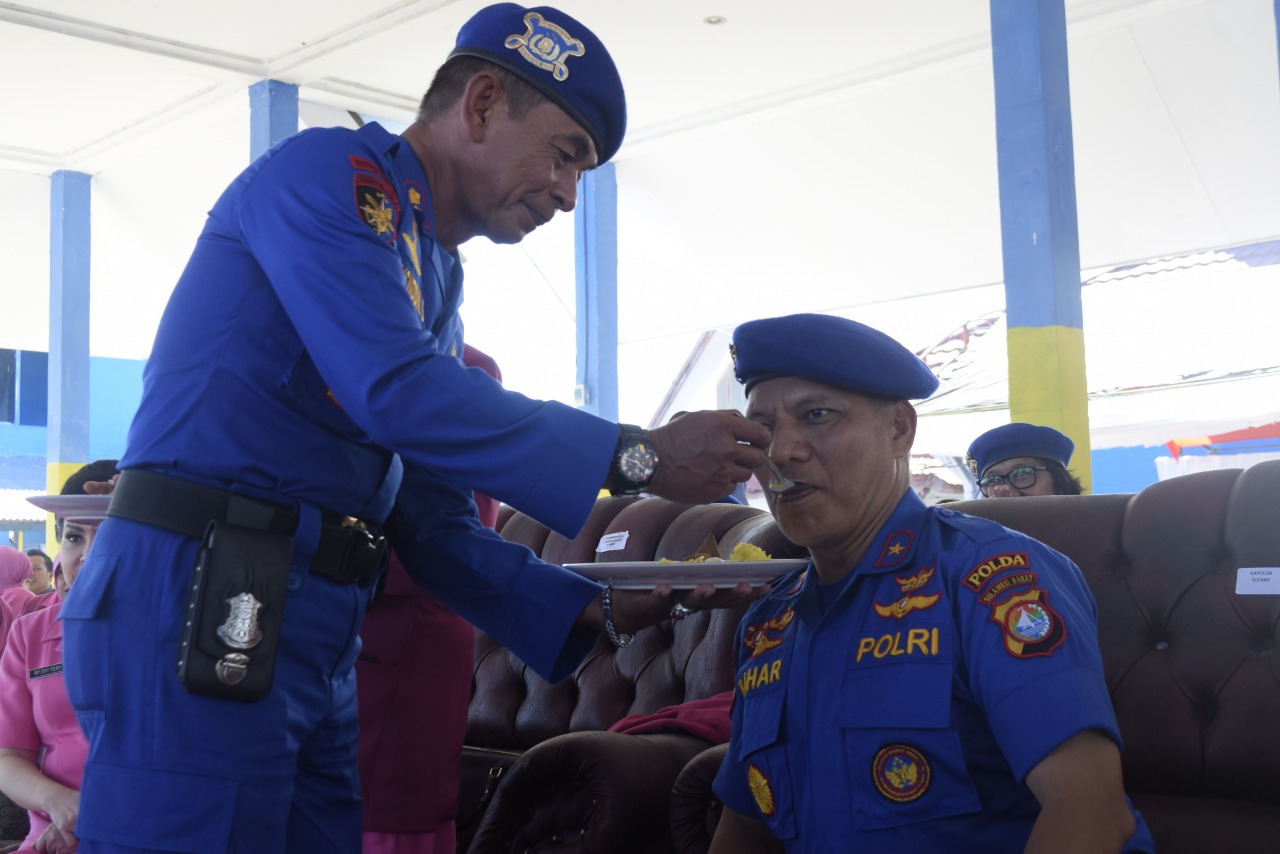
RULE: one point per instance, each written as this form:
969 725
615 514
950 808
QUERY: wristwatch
634 461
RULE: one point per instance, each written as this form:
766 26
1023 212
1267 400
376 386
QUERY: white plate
647 574
74 508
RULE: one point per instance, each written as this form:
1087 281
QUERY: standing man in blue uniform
931 681
305 376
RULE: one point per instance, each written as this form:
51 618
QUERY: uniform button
295 581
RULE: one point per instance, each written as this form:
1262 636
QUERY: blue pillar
595 222
68 419
1275 14
273 115
1038 227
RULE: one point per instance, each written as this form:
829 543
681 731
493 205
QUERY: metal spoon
779 483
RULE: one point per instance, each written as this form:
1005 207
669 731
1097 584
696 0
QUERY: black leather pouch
234 613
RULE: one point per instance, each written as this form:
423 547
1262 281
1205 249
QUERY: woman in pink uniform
42 748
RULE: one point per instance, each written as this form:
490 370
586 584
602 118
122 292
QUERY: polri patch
900 773
992 566
1031 627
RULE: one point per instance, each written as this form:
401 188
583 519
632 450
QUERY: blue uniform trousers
278 775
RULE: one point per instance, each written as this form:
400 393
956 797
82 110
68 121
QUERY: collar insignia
896 547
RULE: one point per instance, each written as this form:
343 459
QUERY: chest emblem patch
900 773
906 605
763 637
912 583
1031 627
760 789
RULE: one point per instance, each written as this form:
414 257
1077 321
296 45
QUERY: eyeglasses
1020 478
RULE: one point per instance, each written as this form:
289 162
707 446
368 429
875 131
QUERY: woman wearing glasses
1023 459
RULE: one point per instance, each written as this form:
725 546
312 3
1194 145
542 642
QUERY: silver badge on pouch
234 612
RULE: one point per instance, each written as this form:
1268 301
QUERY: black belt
349 551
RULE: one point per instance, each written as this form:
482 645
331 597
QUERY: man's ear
904 428
480 99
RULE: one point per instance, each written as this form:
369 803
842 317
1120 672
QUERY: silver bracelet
606 602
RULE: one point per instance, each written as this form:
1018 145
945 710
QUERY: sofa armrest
594 791
695 809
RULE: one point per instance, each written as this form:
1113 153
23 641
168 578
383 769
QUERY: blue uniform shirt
900 708
315 331
314 336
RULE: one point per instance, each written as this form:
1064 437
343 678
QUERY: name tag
41 672
615 542
1258 579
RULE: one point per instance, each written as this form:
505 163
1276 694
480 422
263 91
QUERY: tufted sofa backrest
1193 666
513 708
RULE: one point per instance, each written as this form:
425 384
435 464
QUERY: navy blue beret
560 58
831 350
1018 439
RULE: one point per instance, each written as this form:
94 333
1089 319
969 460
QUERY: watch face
637 462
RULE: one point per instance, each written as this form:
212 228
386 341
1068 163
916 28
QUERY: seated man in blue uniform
306 378
1019 459
931 681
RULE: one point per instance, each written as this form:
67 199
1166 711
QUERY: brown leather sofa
1193 668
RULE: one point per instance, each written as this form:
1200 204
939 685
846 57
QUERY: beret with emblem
560 58
832 350
1019 439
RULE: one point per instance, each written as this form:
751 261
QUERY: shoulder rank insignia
760 789
763 637
545 45
1030 626
901 773
896 547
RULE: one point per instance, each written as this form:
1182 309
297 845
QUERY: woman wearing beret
1023 459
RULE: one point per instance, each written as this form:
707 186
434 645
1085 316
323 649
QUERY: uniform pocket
86 632
902 754
157 810
764 760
